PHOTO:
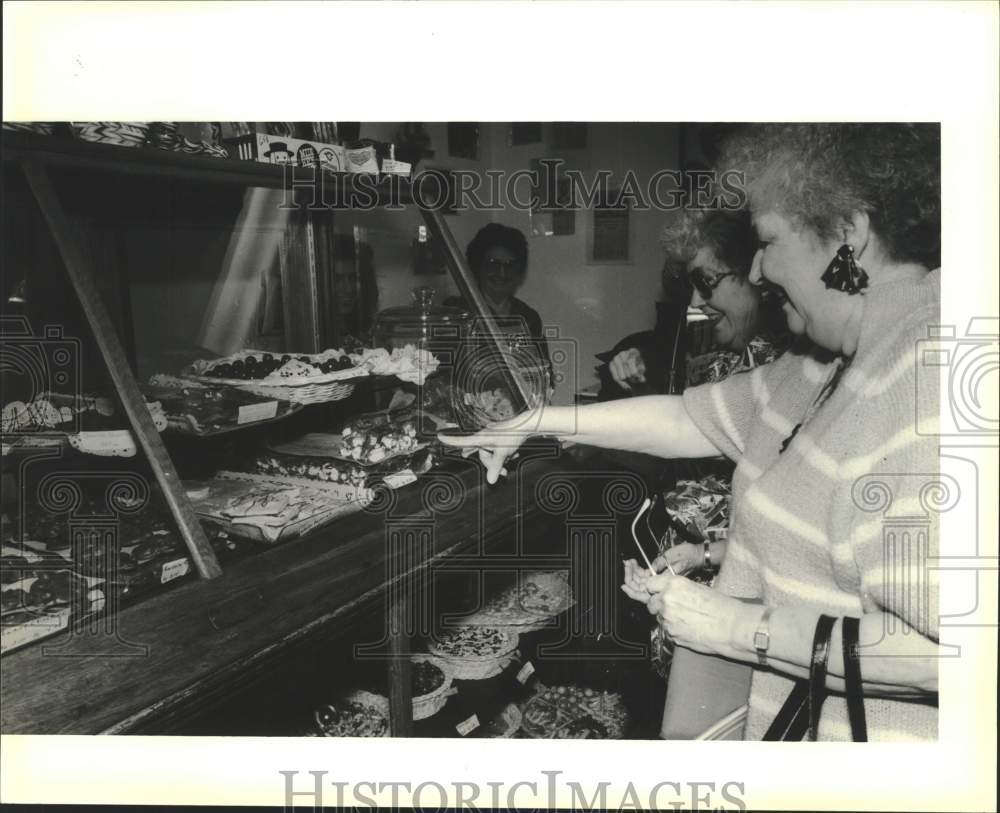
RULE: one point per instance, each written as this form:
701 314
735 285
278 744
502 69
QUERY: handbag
706 696
799 715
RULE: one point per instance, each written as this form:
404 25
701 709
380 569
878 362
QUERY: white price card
400 479
468 725
526 672
251 413
174 570
30 556
390 167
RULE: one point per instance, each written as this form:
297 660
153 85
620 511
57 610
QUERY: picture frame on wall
609 233
555 213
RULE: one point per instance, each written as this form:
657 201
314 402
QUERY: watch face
761 640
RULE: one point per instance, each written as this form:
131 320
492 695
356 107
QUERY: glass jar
483 388
437 328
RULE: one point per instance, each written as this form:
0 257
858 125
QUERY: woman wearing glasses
498 257
713 251
832 441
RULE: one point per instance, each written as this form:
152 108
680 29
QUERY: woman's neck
891 273
897 272
502 307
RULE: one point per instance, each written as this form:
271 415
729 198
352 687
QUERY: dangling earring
843 274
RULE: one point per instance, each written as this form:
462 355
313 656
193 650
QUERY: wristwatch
708 556
762 637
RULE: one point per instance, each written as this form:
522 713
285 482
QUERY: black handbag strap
852 679
817 672
789 725
799 715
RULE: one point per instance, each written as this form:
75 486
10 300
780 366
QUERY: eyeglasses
496 266
705 285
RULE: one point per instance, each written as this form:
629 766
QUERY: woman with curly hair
712 252
849 222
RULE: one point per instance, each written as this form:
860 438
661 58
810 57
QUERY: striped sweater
841 521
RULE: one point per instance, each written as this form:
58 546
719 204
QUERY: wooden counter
199 642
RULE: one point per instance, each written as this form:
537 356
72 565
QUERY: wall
592 306
390 233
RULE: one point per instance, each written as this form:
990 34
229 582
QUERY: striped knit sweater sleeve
726 410
726 413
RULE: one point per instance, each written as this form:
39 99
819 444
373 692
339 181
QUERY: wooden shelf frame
194 654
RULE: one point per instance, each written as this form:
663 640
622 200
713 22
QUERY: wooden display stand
207 633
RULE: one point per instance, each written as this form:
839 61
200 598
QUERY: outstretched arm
654 424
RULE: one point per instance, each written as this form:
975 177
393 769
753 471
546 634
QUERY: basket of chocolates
298 378
475 653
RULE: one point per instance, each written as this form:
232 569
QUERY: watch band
708 555
762 637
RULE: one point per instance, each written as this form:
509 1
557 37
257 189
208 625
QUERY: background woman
498 257
849 222
713 251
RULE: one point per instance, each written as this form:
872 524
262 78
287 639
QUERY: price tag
96 599
512 715
468 725
526 672
390 167
250 413
30 556
174 570
400 479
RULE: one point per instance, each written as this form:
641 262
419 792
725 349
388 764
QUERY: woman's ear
856 232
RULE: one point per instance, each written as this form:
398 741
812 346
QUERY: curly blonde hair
818 175
728 233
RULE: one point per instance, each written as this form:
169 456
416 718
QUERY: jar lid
422 311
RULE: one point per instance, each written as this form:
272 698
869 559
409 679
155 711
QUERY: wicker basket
313 389
427 705
480 667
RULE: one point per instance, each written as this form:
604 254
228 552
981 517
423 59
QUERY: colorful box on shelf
268 149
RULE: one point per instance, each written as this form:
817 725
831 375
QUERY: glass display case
197 373
221 474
